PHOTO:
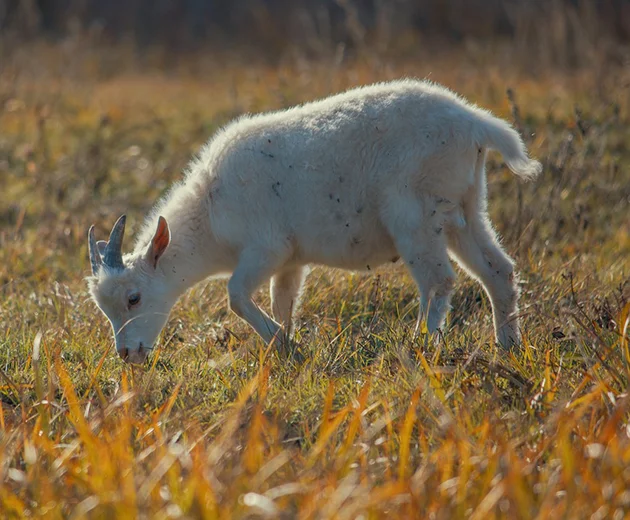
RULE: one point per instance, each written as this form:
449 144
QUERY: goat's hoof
290 350
509 339
296 355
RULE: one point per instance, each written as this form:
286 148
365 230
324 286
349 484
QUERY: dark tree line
181 23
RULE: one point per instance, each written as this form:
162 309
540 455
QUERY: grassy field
371 424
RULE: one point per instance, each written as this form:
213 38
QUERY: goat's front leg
285 289
254 268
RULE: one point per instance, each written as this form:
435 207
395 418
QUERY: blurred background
540 33
107 100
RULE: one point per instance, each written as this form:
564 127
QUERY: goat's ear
101 245
159 242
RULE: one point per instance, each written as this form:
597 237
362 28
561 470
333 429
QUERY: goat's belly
356 252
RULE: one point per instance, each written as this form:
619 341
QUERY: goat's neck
187 260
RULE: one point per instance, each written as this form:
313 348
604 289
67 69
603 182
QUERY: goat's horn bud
95 257
113 252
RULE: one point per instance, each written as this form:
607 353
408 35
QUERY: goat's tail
499 135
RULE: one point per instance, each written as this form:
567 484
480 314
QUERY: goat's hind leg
434 275
476 248
417 228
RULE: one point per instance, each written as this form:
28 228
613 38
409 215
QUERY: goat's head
133 292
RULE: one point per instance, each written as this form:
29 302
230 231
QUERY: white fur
352 181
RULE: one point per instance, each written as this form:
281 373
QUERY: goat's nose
123 353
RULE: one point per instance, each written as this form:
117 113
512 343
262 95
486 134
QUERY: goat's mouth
138 356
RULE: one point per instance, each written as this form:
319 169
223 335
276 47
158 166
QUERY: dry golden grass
371 424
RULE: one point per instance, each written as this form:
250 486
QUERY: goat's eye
134 300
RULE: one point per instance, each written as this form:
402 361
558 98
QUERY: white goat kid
352 181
